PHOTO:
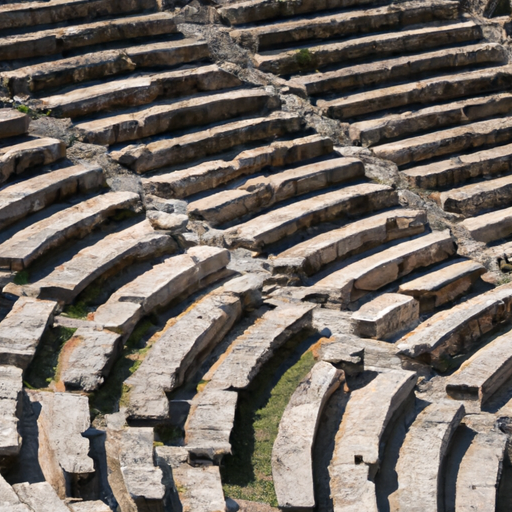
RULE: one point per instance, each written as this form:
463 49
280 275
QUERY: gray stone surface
22 329
11 386
428 440
173 222
175 277
292 464
386 315
63 450
13 123
90 506
40 497
30 243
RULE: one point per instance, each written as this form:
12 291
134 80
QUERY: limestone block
40 497
90 506
292 464
13 123
172 222
386 315
11 387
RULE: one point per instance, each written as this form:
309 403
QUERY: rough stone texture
388 43
373 272
30 243
490 226
142 158
428 440
135 480
34 194
190 112
210 175
423 91
263 192
357 448
479 473
86 359
11 386
185 343
9 501
13 123
50 42
484 372
456 330
138 91
18 158
199 488
292 465
22 330
175 277
63 451
376 73
172 222
279 223
386 315
90 506
119 249
250 351
374 131
444 285
310 256
40 497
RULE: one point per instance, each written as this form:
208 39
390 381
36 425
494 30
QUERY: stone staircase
190 191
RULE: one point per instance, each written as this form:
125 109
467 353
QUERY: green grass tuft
247 474
21 277
304 58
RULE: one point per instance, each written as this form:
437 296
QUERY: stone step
484 372
448 141
282 222
456 170
378 73
357 450
52 42
260 193
11 387
77 221
61 422
458 329
20 199
181 347
13 123
18 158
430 90
385 316
259 10
110 254
472 199
154 155
56 11
188 113
22 329
87 358
138 91
316 56
376 131
353 22
133 476
420 486
9 501
444 285
199 488
157 287
373 272
203 177
89 506
96 66
292 459
480 472
40 497
212 411
313 254
490 226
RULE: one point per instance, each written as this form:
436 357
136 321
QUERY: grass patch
43 368
168 434
114 392
247 474
304 58
22 277
84 303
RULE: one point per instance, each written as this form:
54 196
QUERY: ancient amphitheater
254 255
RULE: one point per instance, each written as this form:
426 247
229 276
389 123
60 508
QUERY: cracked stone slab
40 497
11 387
